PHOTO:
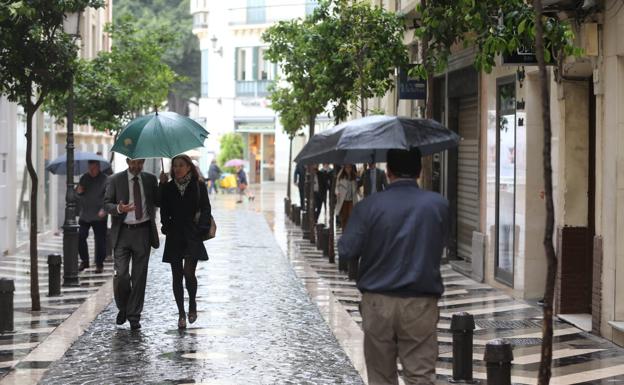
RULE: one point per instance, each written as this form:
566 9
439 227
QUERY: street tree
183 56
365 47
291 117
36 59
496 27
117 86
232 147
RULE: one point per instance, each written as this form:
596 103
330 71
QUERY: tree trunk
177 104
545 373
310 189
426 178
289 169
34 180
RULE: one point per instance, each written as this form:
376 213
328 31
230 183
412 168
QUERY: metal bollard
286 206
297 215
462 327
319 234
304 224
498 356
325 241
54 275
7 289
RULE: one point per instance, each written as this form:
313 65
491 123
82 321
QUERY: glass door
505 179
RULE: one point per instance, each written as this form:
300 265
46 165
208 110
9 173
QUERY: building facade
235 80
48 143
494 179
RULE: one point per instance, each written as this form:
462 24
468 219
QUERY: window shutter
254 68
236 73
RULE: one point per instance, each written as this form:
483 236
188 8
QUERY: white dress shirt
131 217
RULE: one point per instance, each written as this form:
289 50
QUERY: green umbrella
159 135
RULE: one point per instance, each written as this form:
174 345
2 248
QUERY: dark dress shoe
135 325
121 318
99 269
83 266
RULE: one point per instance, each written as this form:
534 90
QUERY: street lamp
214 46
71 26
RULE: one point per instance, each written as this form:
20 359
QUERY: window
241 64
505 179
256 11
204 73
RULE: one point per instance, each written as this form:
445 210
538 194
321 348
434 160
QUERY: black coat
177 215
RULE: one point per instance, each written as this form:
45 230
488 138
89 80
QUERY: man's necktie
138 204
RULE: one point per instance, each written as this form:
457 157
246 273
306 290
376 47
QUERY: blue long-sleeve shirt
400 235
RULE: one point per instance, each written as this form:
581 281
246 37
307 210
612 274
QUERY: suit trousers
403 327
133 246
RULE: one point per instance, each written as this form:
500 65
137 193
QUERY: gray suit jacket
117 190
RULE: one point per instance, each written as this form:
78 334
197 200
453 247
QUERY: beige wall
610 151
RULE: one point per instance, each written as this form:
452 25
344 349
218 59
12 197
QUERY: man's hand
163 177
122 208
80 189
101 213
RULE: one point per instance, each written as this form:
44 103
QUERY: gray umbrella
368 139
81 163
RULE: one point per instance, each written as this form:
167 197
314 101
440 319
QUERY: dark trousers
301 187
133 246
212 185
318 204
99 231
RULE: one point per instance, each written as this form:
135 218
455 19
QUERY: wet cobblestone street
256 324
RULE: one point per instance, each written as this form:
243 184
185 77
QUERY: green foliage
343 53
183 56
494 27
231 148
117 85
283 101
36 57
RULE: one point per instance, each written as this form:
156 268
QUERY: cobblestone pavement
256 323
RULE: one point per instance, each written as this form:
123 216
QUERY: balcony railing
253 88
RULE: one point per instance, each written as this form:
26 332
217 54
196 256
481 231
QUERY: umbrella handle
162 164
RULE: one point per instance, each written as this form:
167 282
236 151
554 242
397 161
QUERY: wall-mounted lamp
214 46
520 75
520 105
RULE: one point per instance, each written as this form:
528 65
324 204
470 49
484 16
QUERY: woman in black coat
185 216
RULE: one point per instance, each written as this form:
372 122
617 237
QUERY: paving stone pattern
256 324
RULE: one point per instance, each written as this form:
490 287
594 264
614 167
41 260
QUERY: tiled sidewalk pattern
31 328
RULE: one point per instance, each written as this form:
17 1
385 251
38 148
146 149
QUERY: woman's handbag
212 231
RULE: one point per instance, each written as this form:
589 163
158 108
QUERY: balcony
200 20
253 88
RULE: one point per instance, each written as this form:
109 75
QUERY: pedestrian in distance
241 184
346 193
90 191
400 235
131 199
373 173
214 173
185 216
299 180
325 175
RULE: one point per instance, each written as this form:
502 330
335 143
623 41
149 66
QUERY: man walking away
400 235
214 173
131 198
90 190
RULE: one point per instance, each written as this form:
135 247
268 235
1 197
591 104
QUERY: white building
235 77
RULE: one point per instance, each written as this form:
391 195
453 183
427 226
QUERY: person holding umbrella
131 199
90 190
185 215
400 235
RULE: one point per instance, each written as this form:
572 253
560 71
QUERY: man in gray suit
131 199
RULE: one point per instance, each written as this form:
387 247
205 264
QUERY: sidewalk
20 350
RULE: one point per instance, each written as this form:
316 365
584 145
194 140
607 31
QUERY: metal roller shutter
467 176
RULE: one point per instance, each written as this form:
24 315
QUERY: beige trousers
400 327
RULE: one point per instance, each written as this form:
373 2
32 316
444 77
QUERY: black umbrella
368 139
81 163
